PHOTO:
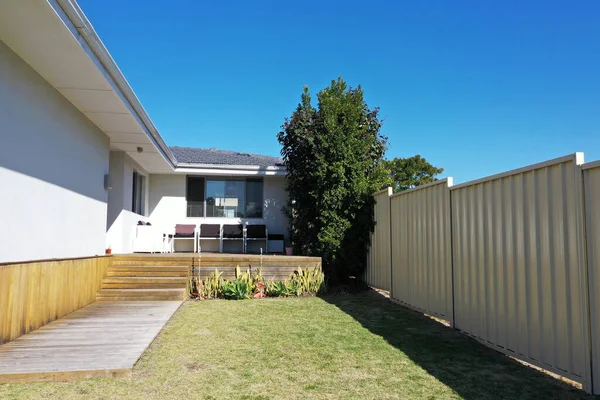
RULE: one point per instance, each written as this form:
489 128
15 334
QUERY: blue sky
476 87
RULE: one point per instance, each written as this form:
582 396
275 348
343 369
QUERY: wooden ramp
102 339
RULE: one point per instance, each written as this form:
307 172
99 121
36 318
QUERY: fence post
452 299
389 200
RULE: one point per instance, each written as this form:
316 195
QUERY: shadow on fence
471 369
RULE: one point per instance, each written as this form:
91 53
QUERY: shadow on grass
471 369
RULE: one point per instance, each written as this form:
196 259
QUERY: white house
81 163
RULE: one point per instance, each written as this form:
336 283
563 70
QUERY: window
254 198
224 198
195 196
137 198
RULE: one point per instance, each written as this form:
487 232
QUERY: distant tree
406 173
333 156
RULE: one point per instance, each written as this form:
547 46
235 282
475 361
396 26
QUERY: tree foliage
406 173
333 156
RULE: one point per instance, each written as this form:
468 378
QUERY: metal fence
511 260
591 183
379 266
421 251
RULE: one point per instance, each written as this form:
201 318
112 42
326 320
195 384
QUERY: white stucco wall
52 166
121 220
167 207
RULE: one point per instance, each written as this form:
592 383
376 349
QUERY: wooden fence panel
34 294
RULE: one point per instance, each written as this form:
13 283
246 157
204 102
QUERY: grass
337 347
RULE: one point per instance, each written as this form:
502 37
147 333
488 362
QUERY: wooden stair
133 280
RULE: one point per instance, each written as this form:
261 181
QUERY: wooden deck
276 267
102 339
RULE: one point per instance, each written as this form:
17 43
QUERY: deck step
142 294
156 268
173 263
137 282
150 274
147 279
139 298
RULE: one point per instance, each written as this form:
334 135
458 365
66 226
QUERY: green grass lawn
337 347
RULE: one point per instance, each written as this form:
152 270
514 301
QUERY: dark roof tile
189 155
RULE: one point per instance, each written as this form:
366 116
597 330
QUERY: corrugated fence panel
378 271
421 248
519 264
591 179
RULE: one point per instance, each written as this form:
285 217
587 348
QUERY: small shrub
248 284
209 288
235 290
275 289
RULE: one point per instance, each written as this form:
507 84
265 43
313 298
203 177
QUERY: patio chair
256 233
209 232
185 232
233 233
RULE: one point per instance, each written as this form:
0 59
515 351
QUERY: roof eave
223 169
79 21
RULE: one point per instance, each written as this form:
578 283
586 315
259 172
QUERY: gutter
231 166
71 10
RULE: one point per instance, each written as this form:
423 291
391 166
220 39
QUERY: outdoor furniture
146 239
167 243
233 233
185 232
209 232
275 243
256 233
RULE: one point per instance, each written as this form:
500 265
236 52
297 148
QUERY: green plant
407 173
275 289
252 284
308 280
235 290
193 287
253 280
333 153
210 287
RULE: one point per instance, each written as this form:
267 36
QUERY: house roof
66 51
190 155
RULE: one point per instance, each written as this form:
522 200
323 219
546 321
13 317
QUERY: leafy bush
252 280
301 282
333 153
248 284
209 288
308 280
235 290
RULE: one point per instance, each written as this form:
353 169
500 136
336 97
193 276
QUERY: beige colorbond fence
421 251
506 260
591 180
519 264
379 266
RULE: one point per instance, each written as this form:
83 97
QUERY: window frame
138 187
203 201
244 179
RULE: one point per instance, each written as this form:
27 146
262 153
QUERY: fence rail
512 260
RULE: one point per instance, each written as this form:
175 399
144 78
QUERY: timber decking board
102 339
195 258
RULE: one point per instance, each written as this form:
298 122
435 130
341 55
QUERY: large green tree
407 173
333 154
